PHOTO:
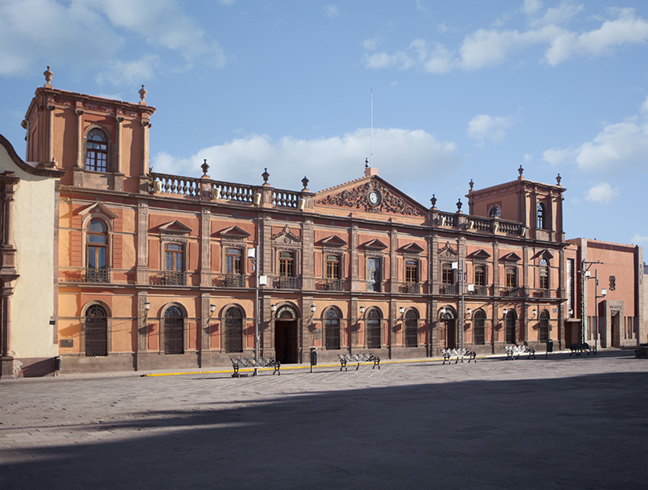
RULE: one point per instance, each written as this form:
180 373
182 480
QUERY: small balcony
287 282
174 278
330 285
449 289
410 288
230 281
481 291
97 275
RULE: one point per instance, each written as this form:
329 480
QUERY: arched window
374 318
543 333
479 327
495 212
233 330
411 328
332 329
511 320
96 331
544 274
173 331
97 151
541 216
97 252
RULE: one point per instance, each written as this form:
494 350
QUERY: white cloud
644 107
130 72
531 7
326 162
528 158
618 145
36 33
332 11
642 241
484 127
602 193
370 44
492 47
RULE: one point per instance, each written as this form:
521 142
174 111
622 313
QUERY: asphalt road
550 423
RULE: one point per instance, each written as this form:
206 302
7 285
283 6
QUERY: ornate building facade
157 271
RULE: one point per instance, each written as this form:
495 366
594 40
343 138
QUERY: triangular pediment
480 254
412 248
98 207
511 257
375 245
373 195
448 252
545 254
333 241
233 232
175 228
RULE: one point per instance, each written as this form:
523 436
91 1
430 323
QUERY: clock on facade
374 198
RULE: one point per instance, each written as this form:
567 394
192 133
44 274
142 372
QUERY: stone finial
558 179
205 167
471 184
142 93
305 182
520 171
48 77
459 204
433 201
265 176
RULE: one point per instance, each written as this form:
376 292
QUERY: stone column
355 280
142 270
50 134
308 250
205 247
79 143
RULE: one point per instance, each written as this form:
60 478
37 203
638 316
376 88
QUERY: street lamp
362 310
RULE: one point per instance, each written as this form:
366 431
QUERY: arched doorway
448 332
374 318
411 328
173 331
96 331
332 329
479 327
543 332
287 335
511 320
233 330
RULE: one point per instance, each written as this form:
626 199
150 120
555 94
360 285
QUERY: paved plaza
551 423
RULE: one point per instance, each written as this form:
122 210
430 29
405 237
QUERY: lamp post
596 298
585 274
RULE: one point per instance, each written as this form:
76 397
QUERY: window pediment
412 248
448 252
175 228
234 233
98 207
375 245
480 254
511 257
285 237
333 241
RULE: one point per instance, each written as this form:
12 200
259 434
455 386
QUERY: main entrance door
451 334
286 341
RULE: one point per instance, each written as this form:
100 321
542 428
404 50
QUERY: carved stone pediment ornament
288 236
448 252
373 197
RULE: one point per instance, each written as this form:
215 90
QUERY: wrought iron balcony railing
97 275
174 278
287 282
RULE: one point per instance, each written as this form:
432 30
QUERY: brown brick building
159 271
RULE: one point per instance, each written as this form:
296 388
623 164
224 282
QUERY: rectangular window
411 271
373 274
332 267
233 261
511 277
286 264
174 257
447 277
480 275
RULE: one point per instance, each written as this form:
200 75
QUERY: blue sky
461 90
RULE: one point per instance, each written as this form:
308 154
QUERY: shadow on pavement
580 432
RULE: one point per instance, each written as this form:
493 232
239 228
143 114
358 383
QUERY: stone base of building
146 361
76 363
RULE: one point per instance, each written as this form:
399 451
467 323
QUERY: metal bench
458 355
353 358
514 351
578 349
264 362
